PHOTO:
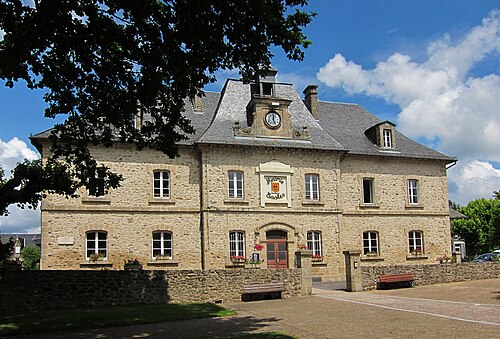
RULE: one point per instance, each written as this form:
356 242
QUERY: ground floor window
96 245
314 243
370 243
416 244
162 245
237 244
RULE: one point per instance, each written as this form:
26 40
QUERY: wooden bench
396 279
266 290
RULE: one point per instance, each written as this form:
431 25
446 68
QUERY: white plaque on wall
275 183
65 241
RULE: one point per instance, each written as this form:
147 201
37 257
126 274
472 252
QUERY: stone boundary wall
433 274
36 290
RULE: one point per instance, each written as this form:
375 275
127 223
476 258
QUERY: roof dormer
383 135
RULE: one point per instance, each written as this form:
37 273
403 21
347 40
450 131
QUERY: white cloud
14 151
440 99
19 220
476 179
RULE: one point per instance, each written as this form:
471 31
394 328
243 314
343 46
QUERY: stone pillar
303 259
353 271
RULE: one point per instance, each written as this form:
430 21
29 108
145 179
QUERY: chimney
311 100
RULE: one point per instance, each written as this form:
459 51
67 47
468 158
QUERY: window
312 187
415 242
235 184
96 245
413 191
161 184
162 245
96 184
267 89
387 136
368 196
370 243
237 244
314 243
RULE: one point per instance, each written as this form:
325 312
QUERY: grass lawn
79 319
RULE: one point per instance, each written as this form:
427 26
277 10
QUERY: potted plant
162 257
372 254
95 257
132 264
237 259
416 252
317 257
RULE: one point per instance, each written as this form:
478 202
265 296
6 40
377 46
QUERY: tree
6 251
31 257
481 230
104 62
496 194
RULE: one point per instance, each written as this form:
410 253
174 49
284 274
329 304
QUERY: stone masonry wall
35 290
433 274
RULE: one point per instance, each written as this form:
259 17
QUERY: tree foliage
6 251
31 257
105 61
481 230
496 194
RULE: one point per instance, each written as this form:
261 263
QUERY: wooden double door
277 249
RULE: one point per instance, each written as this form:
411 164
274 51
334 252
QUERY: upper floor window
370 243
368 191
237 244
314 243
96 245
387 138
161 184
415 242
162 245
413 191
312 186
235 184
96 184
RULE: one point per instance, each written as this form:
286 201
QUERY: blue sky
432 67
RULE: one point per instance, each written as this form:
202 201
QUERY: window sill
414 206
313 203
374 205
377 258
96 200
319 264
416 257
102 263
236 201
163 263
235 265
161 201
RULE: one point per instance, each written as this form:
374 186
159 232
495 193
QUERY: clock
273 119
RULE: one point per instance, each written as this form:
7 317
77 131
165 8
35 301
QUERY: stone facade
298 177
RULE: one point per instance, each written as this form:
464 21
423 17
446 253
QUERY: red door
277 250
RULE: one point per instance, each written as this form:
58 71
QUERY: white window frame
371 192
159 184
413 196
387 138
235 181
166 242
416 242
312 186
96 249
237 244
314 243
370 243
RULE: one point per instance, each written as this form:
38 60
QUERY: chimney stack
311 100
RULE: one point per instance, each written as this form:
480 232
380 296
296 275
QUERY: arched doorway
277 249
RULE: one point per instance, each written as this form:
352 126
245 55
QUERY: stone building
266 172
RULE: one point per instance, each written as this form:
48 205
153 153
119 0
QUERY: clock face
273 119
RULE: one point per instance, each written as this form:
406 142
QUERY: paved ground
457 310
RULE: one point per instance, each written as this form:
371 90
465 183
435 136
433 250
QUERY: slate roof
347 123
26 238
341 126
232 108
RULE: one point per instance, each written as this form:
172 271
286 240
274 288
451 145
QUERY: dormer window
267 89
383 134
387 138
